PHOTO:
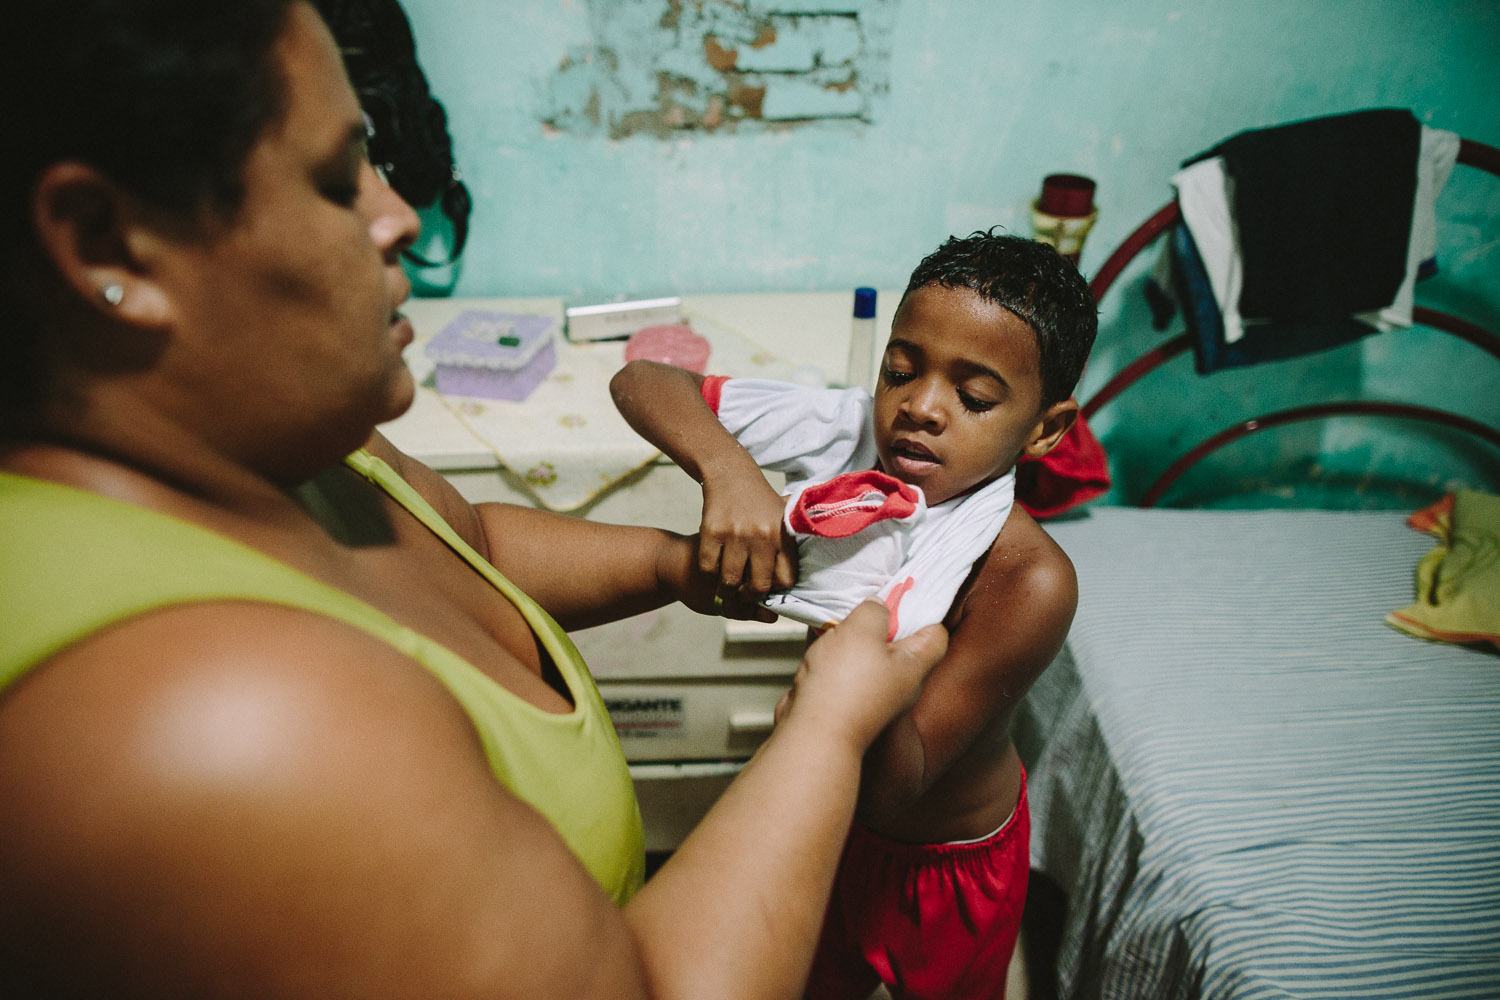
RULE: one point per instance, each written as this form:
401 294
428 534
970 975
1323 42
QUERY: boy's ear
1056 419
99 241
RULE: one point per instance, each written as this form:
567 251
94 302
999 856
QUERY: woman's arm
775 836
742 541
629 569
234 799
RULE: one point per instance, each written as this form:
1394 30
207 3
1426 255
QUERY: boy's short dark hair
1035 282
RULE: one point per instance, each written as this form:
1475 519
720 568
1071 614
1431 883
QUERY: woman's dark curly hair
166 97
1033 281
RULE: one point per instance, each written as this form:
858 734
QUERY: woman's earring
114 294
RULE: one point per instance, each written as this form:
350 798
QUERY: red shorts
931 921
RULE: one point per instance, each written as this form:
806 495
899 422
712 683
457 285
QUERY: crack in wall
665 67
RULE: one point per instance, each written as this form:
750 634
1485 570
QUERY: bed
1244 783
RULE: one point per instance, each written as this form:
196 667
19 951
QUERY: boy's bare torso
977 792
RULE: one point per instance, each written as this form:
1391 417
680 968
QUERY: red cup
1066 195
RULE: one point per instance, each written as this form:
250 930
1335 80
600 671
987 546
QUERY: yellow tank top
73 562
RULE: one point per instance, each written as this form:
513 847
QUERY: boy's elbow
642 377
621 384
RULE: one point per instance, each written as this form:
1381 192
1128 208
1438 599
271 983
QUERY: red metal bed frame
1470 153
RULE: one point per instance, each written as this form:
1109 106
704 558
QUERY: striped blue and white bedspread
1248 784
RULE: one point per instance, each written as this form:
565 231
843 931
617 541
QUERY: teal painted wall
610 153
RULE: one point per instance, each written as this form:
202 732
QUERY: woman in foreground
270 723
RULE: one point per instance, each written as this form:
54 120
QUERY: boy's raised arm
665 405
742 541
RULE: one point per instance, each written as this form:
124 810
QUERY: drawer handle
781 630
744 723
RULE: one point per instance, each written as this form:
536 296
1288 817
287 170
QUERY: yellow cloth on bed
1458 582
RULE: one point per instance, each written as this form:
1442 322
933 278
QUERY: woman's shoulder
266 674
199 715
257 788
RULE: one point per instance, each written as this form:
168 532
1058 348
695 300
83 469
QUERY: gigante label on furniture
647 717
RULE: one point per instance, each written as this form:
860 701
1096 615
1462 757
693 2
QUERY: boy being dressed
907 496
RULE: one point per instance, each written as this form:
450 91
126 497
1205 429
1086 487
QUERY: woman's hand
742 541
753 879
852 681
677 569
743 546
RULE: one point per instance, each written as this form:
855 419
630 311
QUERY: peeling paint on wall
664 67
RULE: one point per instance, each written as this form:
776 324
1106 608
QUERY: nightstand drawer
693 720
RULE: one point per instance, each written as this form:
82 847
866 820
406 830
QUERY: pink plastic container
672 344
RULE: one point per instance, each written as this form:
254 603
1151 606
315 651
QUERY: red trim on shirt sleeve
893 605
713 390
849 503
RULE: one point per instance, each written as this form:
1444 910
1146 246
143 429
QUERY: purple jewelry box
493 354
